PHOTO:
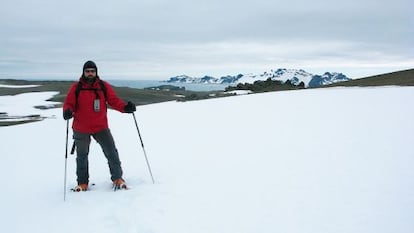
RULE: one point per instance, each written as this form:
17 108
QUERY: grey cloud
189 35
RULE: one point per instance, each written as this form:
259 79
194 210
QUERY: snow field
325 160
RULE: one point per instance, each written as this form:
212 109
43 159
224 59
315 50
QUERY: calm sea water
154 83
151 83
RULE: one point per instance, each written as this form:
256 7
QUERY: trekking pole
66 160
143 148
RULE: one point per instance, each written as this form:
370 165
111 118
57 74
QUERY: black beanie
90 64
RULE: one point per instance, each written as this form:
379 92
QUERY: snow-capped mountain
327 78
188 79
294 75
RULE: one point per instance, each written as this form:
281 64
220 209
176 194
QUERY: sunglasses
90 71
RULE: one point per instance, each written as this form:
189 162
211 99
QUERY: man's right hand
67 114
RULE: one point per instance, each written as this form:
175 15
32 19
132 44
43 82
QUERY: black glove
130 107
67 114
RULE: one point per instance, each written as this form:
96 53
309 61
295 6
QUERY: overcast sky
158 39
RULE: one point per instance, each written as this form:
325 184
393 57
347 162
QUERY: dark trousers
106 141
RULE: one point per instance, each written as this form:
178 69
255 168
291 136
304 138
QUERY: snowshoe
119 184
80 187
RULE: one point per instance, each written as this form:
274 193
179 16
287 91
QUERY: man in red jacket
87 102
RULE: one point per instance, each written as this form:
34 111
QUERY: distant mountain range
295 77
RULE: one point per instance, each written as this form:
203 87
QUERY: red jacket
85 119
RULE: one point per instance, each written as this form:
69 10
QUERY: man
86 102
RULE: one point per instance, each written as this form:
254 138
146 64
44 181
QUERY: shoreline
14 87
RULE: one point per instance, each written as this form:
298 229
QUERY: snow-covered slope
294 75
320 160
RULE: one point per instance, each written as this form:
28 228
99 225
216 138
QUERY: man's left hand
130 107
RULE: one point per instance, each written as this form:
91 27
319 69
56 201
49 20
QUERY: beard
90 78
